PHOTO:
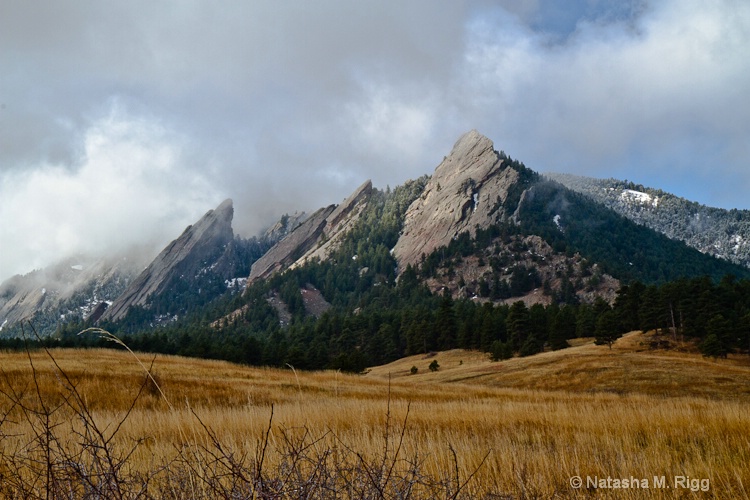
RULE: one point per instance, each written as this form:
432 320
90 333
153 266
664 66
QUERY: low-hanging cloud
131 188
123 123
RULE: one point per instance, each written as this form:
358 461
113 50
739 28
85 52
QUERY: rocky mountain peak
200 244
468 188
316 237
285 225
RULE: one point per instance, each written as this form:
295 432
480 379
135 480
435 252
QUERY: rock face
200 245
66 291
468 188
317 236
288 250
339 223
284 226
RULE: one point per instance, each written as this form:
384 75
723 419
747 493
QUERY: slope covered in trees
376 318
715 231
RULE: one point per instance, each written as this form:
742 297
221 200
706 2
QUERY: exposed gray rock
289 249
317 236
284 226
66 291
21 300
205 241
338 224
467 190
314 302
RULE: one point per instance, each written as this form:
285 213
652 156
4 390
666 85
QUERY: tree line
375 318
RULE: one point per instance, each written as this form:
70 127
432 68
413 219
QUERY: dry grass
630 367
523 427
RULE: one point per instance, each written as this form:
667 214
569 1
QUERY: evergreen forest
375 318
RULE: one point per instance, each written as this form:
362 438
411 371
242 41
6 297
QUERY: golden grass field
520 428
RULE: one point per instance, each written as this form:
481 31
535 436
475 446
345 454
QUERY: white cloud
130 188
399 128
672 79
290 106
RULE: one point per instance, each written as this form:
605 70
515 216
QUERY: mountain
70 290
315 237
486 226
192 270
467 191
483 254
714 231
384 265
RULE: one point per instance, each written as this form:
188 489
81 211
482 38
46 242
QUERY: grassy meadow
81 423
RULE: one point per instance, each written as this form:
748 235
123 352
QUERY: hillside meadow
630 422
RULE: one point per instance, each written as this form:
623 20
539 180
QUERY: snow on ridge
556 219
630 195
738 241
236 282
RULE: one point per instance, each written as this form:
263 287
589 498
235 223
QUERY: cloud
130 187
141 116
625 97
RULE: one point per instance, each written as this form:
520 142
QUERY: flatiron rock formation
199 246
293 246
316 237
468 189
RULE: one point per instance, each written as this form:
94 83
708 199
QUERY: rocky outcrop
20 300
284 226
316 237
294 245
200 246
341 220
468 189
66 291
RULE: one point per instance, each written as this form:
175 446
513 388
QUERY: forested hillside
517 264
375 317
715 231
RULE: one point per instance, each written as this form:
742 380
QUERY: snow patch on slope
632 196
556 219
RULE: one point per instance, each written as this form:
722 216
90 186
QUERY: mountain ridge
315 237
466 191
482 227
185 254
714 231
68 290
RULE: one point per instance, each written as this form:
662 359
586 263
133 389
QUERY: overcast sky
122 122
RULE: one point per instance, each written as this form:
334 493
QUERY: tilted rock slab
338 224
184 256
467 190
292 247
316 237
75 284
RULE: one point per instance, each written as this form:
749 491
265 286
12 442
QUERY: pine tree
518 324
712 347
446 323
607 328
